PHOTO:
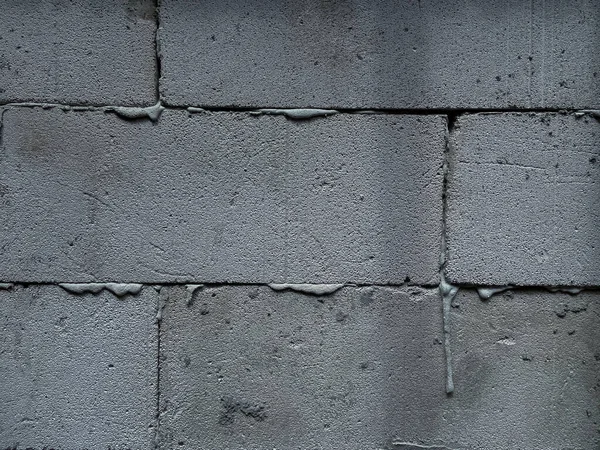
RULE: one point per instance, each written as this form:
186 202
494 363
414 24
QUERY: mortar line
395 111
451 120
257 109
462 286
513 287
158 351
210 284
158 62
74 106
2 127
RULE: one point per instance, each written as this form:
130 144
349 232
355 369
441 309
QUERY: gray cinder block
77 371
251 367
381 54
248 367
81 52
526 371
89 196
523 200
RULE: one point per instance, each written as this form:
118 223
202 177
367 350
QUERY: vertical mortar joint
157 49
447 291
452 117
163 297
2 111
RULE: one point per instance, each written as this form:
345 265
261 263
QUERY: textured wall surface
328 224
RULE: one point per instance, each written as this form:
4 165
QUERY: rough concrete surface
523 200
248 367
319 224
78 52
526 371
88 196
77 371
381 54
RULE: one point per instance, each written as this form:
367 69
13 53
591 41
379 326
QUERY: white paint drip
297 114
413 446
193 109
312 289
595 113
448 292
118 289
163 297
566 290
192 288
506 341
133 112
488 292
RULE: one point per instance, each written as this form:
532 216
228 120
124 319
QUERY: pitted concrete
379 54
294 211
77 371
78 52
526 370
220 197
248 367
522 200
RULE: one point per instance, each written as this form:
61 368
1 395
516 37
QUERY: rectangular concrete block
81 52
221 197
381 54
246 367
526 371
523 200
77 371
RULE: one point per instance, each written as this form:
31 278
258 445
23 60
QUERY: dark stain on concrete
141 10
231 407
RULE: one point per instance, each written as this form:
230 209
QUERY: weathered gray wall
408 259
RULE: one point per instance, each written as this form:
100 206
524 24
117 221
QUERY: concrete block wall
321 224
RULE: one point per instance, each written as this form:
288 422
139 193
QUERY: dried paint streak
595 113
566 290
413 446
151 112
488 292
118 289
312 289
193 109
297 114
192 289
448 292
163 298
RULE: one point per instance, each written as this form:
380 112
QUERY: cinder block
78 52
526 371
523 200
246 367
381 54
77 371
220 197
